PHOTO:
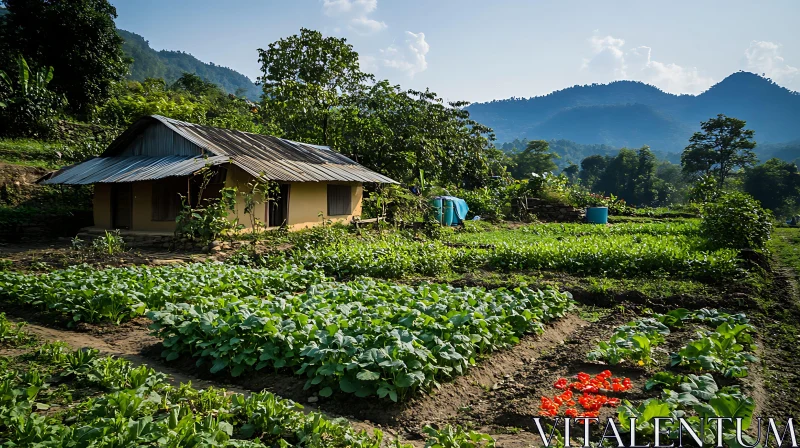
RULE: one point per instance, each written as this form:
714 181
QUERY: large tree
630 175
77 38
776 184
723 145
535 158
315 91
307 81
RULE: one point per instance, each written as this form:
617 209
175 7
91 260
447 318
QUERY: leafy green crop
696 398
621 250
723 350
117 294
633 342
363 337
135 406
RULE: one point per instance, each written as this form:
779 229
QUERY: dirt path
779 327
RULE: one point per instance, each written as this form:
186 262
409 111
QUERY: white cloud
410 58
764 58
611 61
367 63
363 25
355 14
335 8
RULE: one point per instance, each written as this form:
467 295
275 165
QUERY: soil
58 254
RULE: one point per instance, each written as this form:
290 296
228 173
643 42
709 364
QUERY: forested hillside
170 65
630 113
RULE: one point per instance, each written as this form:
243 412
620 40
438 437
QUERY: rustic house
139 179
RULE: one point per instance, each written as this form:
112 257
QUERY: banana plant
28 83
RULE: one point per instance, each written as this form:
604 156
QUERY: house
140 178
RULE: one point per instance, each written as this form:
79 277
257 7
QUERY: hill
170 65
631 113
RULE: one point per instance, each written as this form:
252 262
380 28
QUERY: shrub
488 203
737 221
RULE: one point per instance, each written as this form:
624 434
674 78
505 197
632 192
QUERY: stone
313 399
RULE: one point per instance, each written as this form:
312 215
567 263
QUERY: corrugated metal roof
277 159
131 169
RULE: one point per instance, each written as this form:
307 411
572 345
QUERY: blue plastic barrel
437 209
597 215
449 212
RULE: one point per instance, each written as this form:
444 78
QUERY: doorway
121 206
278 209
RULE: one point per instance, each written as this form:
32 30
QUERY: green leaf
367 375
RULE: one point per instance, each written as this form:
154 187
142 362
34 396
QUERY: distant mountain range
170 65
632 114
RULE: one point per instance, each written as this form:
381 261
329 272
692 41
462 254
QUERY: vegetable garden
354 326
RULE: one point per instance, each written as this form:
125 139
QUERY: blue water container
597 215
437 209
449 212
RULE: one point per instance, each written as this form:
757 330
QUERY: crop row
363 337
617 255
117 294
135 406
724 350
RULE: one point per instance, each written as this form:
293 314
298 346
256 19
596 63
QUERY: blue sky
478 50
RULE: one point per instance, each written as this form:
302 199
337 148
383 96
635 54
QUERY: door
121 206
278 209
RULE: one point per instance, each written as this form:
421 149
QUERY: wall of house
143 210
101 206
306 200
142 214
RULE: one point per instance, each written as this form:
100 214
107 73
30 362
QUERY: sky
479 50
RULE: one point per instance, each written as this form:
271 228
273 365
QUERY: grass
31 153
785 244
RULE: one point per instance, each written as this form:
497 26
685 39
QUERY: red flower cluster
592 398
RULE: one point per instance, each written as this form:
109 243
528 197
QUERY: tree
536 158
723 146
630 175
77 38
307 80
592 168
27 106
314 91
776 184
571 171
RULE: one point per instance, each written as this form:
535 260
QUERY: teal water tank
597 215
449 212
437 209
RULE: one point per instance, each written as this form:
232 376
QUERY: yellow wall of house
306 201
101 206
143 210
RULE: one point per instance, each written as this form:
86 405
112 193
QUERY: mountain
631 113
170 65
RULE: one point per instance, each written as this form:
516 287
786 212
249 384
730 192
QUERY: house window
339 200
166 198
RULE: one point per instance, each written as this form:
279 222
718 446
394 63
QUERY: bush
736 221
488 203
